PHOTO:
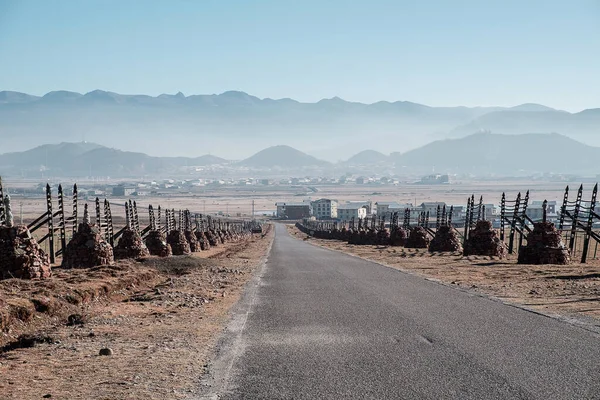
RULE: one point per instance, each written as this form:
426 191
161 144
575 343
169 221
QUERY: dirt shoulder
571 291
160 318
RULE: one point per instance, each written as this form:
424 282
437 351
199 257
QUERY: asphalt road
323 325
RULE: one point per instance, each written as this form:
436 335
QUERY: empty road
319 324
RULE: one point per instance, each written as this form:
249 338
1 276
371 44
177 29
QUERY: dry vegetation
160 318
567 290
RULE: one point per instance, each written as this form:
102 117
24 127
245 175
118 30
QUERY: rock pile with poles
20 254
156 240
190 236
201 234
418 238
484 241
131 245
544 245
87 248
446 239
176 237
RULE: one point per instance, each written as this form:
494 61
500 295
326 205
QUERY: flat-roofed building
293 210
351 210
325 208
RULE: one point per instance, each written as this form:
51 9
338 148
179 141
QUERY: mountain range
90 159
235 123
479 154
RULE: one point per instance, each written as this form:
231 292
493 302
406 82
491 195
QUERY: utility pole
253 210
21 212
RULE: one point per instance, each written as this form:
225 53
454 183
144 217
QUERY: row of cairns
544 242
482 240
22 257
20 254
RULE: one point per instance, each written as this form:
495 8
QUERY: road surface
323 325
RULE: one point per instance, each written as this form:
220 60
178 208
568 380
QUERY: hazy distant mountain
90 159
235 123
503 154
283 157
9 97
583 126
367 157
532 107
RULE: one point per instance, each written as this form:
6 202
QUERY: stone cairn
398 236
201 235
211 234
484 241
176 238
130 243
399 233
189 234
87 248
383 235
417 239
544 246
20 254
445 239
156 240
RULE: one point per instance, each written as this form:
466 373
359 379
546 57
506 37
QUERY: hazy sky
445 52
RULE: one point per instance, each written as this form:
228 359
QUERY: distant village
189 186
328 209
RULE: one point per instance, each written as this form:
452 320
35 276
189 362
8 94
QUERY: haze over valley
236 124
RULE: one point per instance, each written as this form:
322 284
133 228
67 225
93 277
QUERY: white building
432 207
325 208
535 210
386 209
348 211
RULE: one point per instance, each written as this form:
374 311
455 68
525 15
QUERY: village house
535 210
325 209
122 190
386 209
293 210
351 210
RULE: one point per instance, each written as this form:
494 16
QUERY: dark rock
446 239
484 241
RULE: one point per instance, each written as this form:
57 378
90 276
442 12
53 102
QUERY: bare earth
160 317
571 291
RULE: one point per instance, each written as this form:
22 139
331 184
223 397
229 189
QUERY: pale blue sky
453 52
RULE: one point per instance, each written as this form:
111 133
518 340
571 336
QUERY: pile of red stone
418 238
21 255
130 245
202 240
193 241
87 249
157 245
383 237
484 241
213 238
398 237
179 244
544 246
445 239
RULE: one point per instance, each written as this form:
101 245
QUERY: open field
571 291
238 199
160 317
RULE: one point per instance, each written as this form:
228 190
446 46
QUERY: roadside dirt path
161 329
571 291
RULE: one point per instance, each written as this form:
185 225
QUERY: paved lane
325 325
